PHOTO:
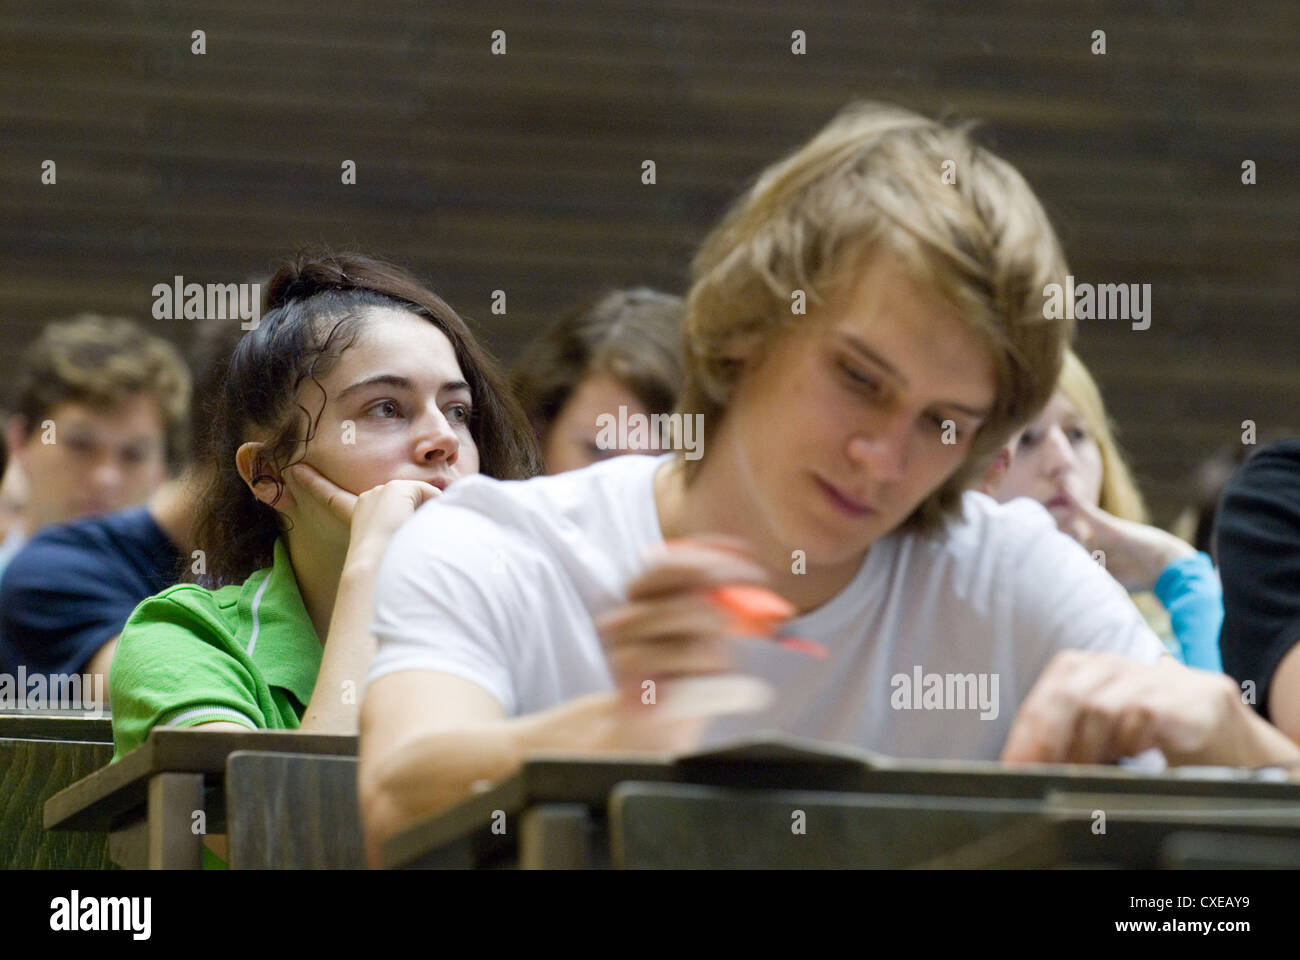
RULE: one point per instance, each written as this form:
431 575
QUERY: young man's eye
942 423
861 380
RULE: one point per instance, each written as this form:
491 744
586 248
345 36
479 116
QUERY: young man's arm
1092 707
428 736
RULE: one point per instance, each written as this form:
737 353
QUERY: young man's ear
15 441
742 347
260 476
997 470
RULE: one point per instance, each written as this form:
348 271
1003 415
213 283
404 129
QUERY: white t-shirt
933 645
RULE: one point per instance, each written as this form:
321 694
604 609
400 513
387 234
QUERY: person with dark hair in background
1198 521
67 594
620 350
1258 540
98 423
359 396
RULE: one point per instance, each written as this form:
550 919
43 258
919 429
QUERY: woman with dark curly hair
359 396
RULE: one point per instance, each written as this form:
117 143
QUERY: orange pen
757 610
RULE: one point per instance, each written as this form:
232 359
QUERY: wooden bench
42 752
157 803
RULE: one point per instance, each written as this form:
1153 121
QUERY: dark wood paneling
522 172
32 771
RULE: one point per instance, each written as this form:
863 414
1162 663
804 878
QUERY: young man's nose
884 450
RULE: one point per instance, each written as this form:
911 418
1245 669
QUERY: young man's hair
102 362
875 179
633 336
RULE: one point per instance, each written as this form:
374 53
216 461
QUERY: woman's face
1056 452
571 441
397 407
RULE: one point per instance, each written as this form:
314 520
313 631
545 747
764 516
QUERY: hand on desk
1092 707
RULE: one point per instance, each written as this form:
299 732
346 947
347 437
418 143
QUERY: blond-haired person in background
1068 460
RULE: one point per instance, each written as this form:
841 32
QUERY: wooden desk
41 752
293 811
72 725
149 801
734 807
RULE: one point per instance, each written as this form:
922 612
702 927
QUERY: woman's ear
261 477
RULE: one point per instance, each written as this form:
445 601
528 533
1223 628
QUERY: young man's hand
1092 707
670 646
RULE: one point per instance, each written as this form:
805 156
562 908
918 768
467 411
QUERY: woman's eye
458 413
1078 435
1027 440
385 409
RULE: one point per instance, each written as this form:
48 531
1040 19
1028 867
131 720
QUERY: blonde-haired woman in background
1067 459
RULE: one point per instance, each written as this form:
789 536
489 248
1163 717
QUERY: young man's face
843 420
91 461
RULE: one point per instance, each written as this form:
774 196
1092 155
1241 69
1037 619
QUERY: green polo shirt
245 654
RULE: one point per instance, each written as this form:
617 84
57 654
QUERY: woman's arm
372 517
1189 589
335 700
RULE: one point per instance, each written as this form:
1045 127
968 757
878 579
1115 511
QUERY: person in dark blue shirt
70 589
66 595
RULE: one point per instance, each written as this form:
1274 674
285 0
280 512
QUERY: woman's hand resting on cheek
368 519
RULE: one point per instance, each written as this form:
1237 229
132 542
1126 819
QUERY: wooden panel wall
522 172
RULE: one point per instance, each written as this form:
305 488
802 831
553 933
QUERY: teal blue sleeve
1190 590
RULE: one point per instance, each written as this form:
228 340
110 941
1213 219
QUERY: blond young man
838 446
